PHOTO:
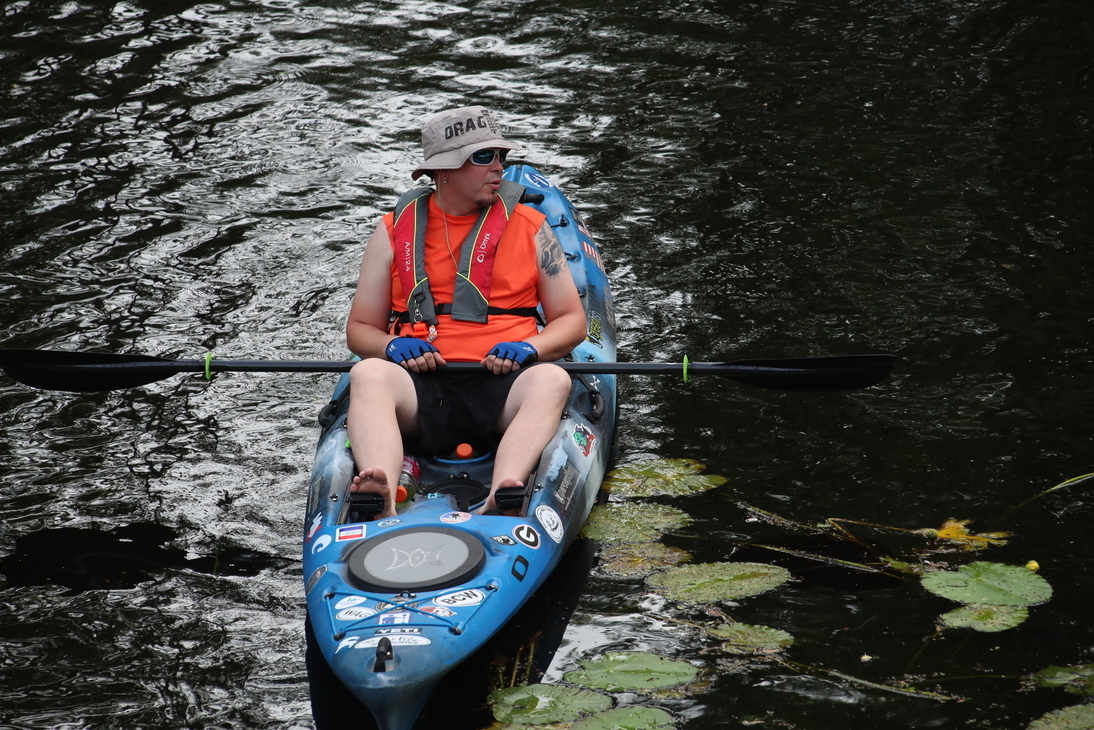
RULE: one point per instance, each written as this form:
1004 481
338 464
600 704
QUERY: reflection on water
766 179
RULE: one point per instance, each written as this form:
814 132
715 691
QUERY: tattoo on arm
551 258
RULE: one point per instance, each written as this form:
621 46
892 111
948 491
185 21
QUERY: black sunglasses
485 157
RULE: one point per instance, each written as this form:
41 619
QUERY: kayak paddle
93 371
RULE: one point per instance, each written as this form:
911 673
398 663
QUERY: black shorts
459 407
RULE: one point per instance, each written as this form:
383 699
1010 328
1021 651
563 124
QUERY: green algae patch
661 478
748 639
990 584
543 704
627 670
629 522
713 582
636 560
627 718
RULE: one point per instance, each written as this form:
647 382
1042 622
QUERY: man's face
478 182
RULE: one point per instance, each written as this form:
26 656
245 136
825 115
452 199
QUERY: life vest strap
398 317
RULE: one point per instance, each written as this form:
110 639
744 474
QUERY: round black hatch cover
415 559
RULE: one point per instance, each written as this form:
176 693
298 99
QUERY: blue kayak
396 604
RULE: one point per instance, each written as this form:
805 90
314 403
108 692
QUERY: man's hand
414 354
509 356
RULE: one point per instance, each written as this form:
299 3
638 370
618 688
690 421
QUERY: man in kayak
419 304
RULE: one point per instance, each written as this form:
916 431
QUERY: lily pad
542 704
627 670
748 639
619 522
1076 680
711 582
992 584
634 560
1079 717
985 618
636 717
661 477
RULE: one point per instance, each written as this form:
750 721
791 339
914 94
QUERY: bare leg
529 421
382 407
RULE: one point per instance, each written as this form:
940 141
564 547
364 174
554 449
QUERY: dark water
783 178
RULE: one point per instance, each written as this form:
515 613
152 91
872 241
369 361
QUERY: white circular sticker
321 543
550 521
354 614
349 602
527 535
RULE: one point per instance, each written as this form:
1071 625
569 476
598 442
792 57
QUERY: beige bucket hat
450 137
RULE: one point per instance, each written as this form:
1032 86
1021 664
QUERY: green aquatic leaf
542 704
1076 680
626 670
661 477
621 522
711 582
992 584
747 639
1079 717
634 560
985 618
636 717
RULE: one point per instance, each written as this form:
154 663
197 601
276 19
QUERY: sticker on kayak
349 602
349 532
470 597
399 631
527 535
397 640
584 439
354 614
315 525
438 611
386 606
400 617
355 642
504 540
320 544
314 578
388 523
454 517
550 521
538 180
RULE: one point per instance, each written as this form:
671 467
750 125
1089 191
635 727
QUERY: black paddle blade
85 372
814 374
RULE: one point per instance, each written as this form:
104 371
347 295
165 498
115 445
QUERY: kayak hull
396 604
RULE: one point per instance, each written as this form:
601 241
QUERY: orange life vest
490 297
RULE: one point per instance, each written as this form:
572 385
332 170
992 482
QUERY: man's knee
373 372
549 381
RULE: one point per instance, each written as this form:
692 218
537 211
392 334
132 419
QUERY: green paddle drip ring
685 368
208 364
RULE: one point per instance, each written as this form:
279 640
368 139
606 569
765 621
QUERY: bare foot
374 480
490 504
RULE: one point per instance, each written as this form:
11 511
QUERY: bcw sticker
470 597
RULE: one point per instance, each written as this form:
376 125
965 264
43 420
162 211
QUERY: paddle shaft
74 371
